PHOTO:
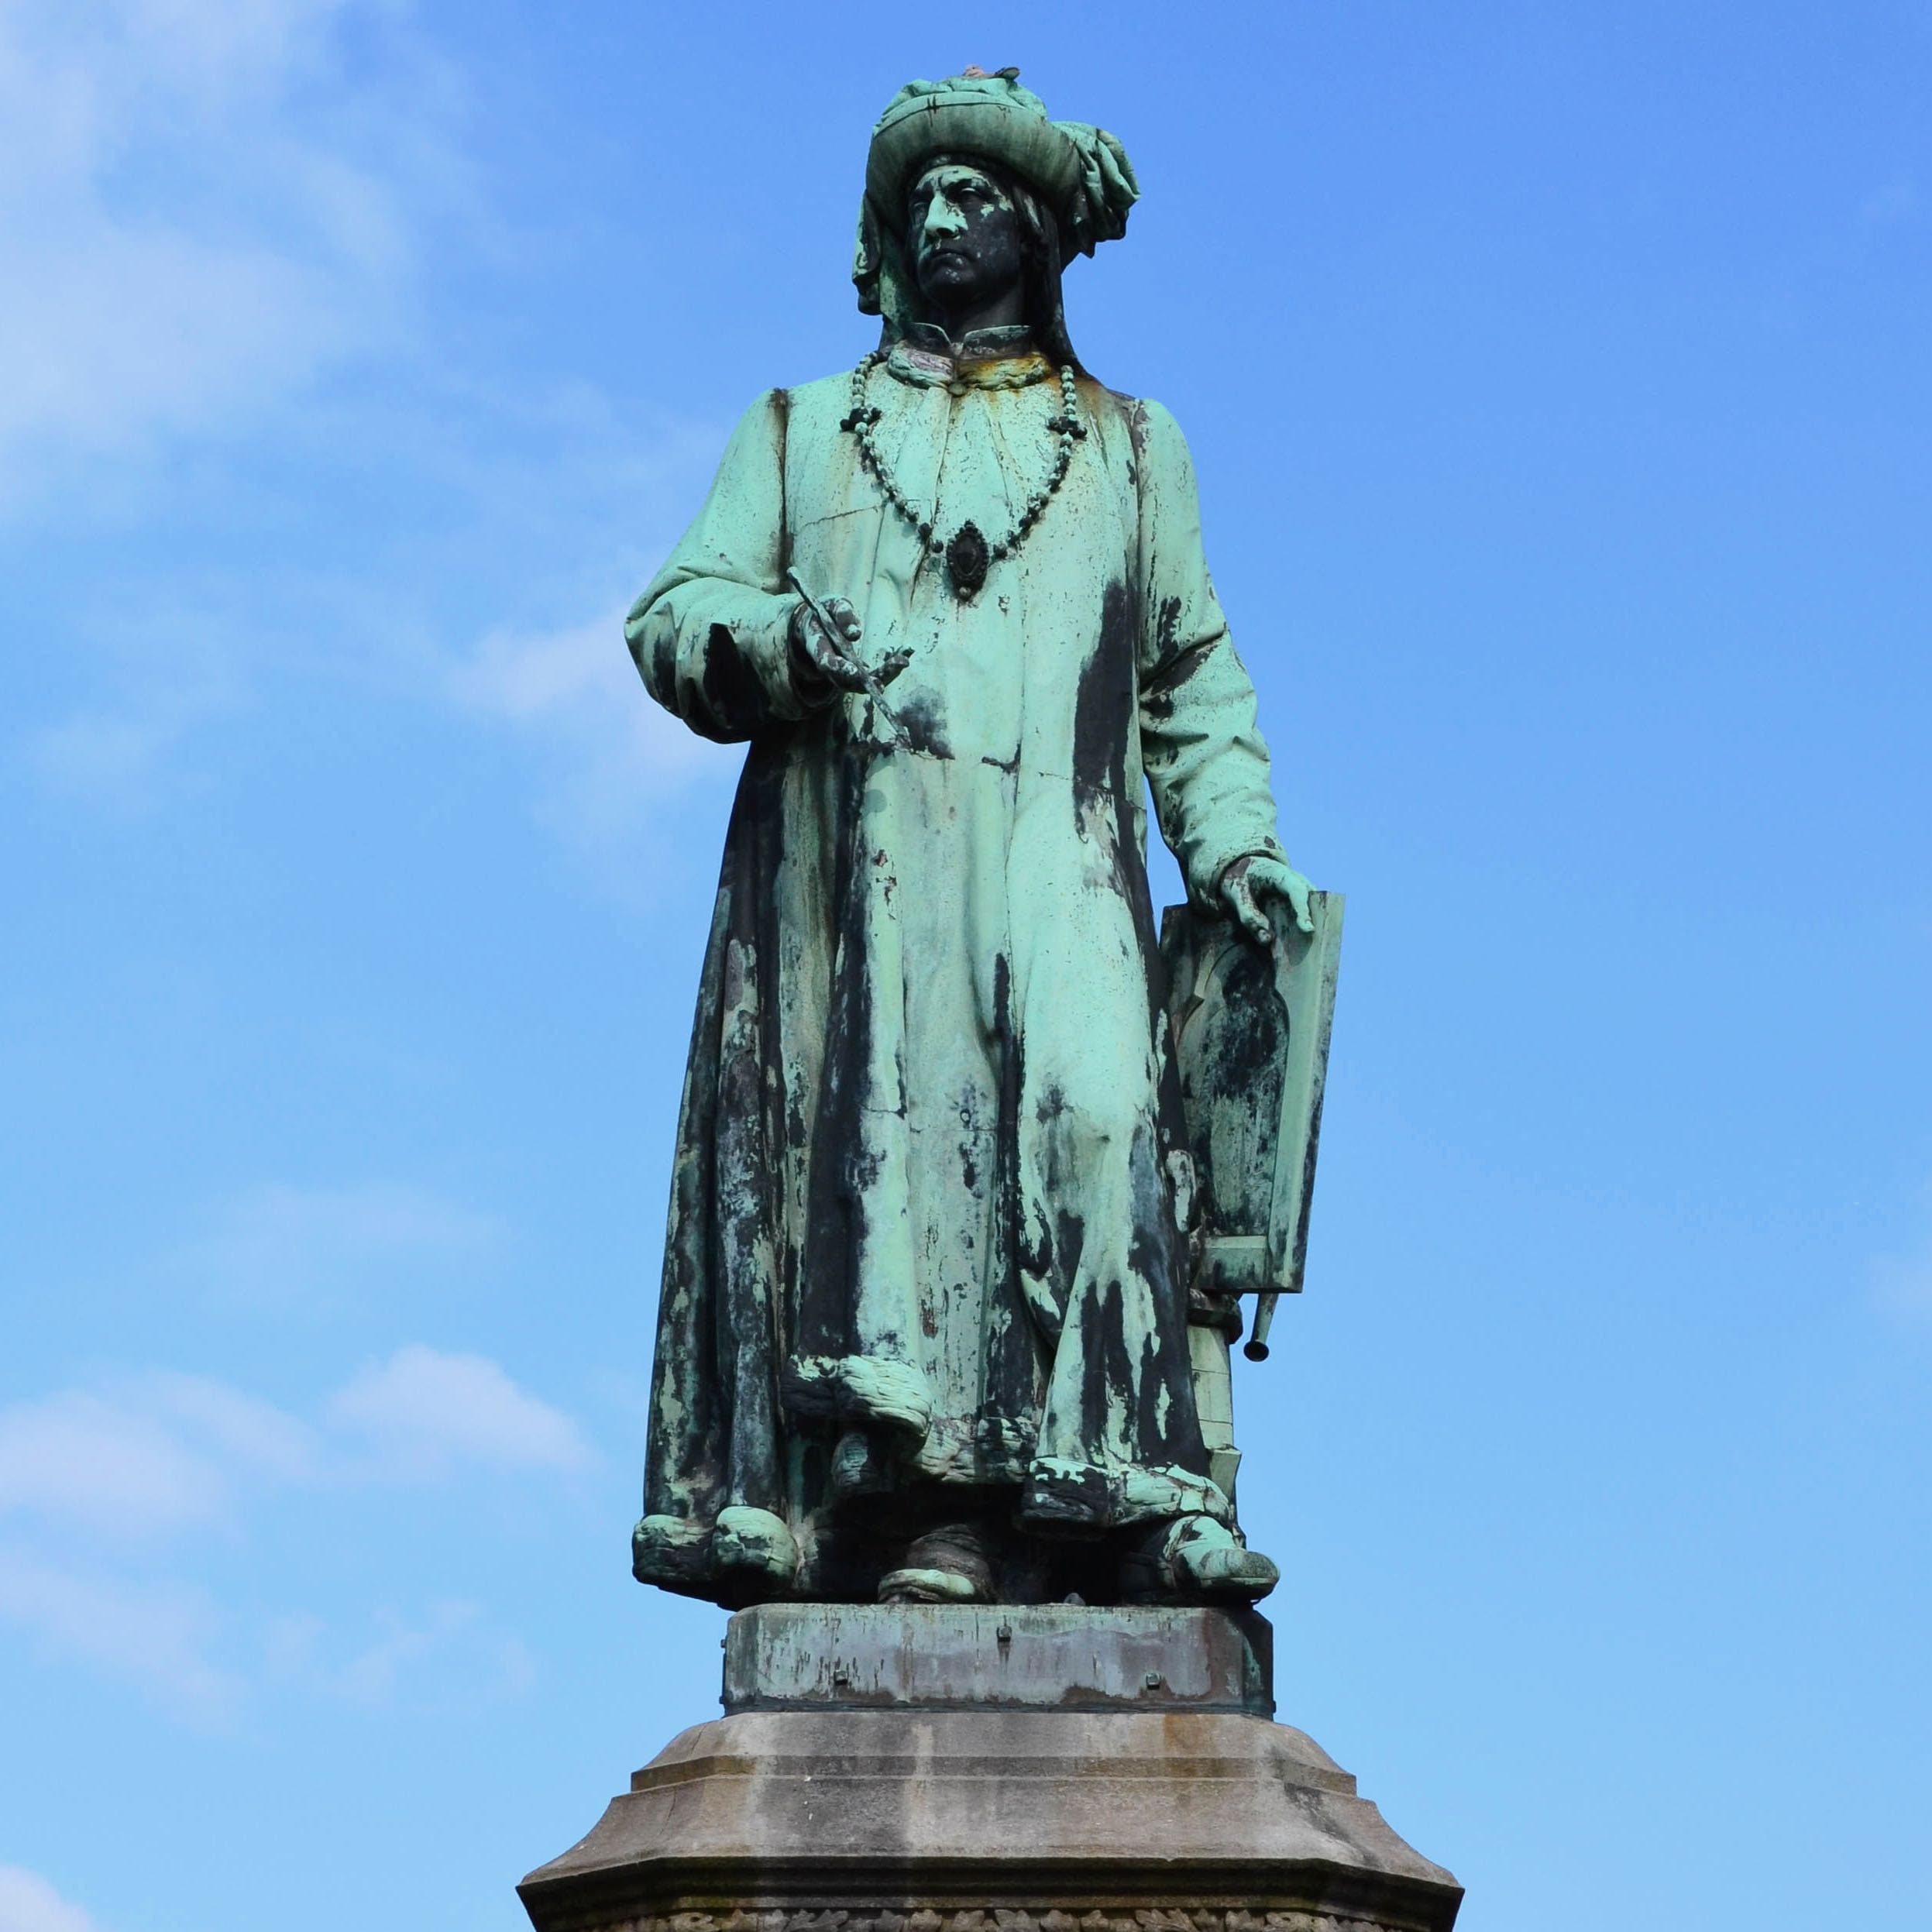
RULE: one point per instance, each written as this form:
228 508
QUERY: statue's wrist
811 684
1242 860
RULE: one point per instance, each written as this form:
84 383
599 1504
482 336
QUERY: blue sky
1559 380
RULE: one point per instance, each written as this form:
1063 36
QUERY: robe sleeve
1205 760
711 636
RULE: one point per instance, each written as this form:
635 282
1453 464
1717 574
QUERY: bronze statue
939 1302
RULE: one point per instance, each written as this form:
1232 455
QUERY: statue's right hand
824 654
829 659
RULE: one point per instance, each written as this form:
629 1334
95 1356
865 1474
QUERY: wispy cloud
278 1243
155 1635
609 757
28 1903
79 1459
111 754
1904 1280
150 1455
146 1458
249 1432
145 1455
1897 202
422 1412
202 211
211 209
152 683
448 1651
105 1478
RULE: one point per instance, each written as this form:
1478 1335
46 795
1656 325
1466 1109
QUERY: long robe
928 1225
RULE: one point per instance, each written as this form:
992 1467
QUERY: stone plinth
934 1783
1019 1657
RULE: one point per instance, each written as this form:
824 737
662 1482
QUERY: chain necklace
967 555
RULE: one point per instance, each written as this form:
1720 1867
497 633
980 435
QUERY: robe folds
928 1226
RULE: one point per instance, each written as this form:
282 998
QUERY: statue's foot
1194 1559
860 1466
945 1565
746 1556
672 1553
927 1586
753 1555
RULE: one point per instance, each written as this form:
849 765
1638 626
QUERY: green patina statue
947 1295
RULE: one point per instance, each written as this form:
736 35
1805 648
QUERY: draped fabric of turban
1080 177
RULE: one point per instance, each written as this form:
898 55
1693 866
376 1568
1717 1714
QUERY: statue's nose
943 218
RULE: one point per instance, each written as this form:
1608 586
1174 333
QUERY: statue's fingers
894 663
836 666
846 618
1266 881
1253 921
1283 882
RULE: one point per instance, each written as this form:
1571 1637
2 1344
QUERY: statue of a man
924 1328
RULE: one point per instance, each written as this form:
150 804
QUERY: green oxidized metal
925 1330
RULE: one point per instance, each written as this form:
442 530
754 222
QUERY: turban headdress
1079 176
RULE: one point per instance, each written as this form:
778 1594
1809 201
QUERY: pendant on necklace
966 560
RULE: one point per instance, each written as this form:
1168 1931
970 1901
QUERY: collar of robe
926 357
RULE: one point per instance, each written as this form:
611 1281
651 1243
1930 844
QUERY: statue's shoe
945 1566
746 1556
929 1587
1194 1559
861 1464
753 1555
672 1553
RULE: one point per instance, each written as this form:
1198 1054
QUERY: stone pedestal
1036 1769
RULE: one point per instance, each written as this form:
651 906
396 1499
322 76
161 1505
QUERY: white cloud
252 1433
451 1647
145 1456
1905 1283
154 1635
82 1459
1897 200
200 212
449 1653
278 1243
28 1903
151 683
612 754
424 1411
100 1473
1902 1279
108 752
208 208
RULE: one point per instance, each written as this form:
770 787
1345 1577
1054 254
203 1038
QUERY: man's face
964 231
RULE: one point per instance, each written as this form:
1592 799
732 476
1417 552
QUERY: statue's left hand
1249 883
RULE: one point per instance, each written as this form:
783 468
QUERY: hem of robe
1069 1498
859 1389
1057 1499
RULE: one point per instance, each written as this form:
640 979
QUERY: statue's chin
953 289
